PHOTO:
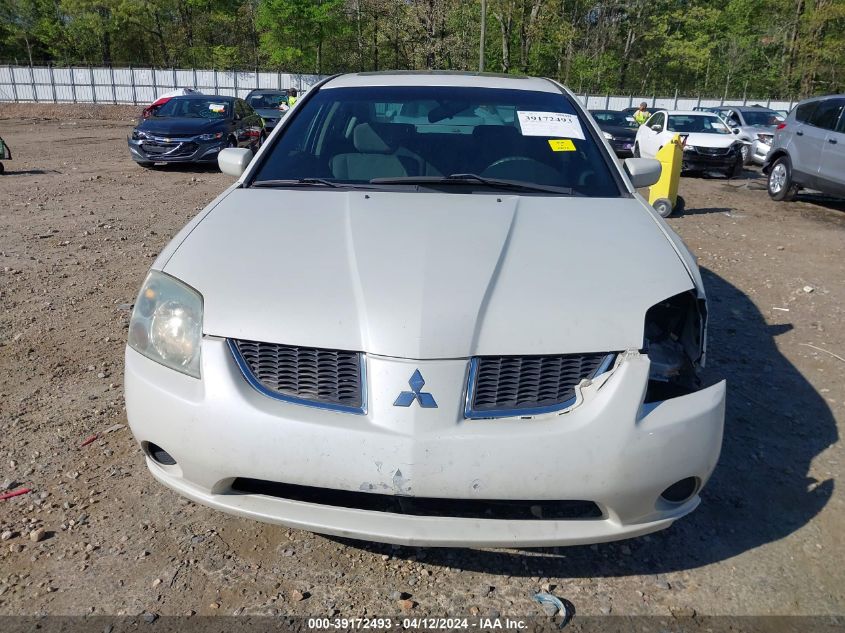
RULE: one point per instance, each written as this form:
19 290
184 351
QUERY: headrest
367 141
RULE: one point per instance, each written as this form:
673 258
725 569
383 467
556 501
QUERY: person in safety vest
292 97
642 115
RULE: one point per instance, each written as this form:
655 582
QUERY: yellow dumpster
663 195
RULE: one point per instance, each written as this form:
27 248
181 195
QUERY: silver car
432 310
756 126
809 150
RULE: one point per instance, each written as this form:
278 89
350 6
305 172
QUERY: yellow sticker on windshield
561 145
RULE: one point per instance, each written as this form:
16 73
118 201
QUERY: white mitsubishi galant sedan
432 310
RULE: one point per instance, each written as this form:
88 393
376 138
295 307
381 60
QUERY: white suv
809 149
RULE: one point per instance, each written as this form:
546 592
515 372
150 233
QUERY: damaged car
461 328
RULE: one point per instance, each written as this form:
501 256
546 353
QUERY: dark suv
809 149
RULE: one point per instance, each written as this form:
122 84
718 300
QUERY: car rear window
355 135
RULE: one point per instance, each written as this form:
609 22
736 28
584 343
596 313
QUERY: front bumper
624 148
694 161
759 151
608 449
182 150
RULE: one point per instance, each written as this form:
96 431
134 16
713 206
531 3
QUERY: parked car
193 129
809 149
412 334
271 105
619 129
709 146
755 125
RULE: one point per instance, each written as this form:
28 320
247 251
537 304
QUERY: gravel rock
38 534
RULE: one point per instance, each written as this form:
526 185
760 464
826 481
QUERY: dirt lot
79 226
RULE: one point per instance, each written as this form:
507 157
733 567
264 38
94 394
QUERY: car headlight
609 136
138 135
166 324
765 138
689 148
674 338
213 136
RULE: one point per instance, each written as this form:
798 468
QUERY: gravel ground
79 226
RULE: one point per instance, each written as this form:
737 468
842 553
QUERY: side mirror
736 130
233 161
643 172
657 127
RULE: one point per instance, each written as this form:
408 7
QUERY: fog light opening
681 491
159 455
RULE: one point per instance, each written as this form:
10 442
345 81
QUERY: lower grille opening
518 510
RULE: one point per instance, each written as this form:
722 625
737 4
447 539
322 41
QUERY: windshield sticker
561 145
217 107
550 124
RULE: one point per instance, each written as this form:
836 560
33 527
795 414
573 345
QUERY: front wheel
780 184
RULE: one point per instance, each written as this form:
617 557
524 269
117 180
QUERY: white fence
140 86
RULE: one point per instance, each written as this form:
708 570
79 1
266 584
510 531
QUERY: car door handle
799 133
831 140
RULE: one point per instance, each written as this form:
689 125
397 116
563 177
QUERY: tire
746 154
2 169
663 206
780 185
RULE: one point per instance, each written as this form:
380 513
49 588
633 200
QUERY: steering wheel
522 168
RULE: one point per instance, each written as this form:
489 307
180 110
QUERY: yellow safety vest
641 116
291 101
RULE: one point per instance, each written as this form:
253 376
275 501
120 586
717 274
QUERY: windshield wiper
299 182
469 179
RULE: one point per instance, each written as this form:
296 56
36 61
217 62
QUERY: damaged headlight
138 135
212 136
166 324
674 342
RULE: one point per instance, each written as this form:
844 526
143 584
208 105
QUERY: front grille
501 509
507 386
713 151
328 378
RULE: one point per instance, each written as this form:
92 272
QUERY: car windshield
193 109
267 100
698 123
395 135
761 118
619 119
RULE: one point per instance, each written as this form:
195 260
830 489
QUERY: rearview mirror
643 172
233 161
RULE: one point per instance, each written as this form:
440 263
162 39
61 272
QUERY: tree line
755 48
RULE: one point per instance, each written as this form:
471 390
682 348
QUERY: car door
811 137
241 133
253 123
649 134
832 163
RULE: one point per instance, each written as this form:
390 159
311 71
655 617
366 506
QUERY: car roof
820 97
262 91
688 113
609 111
441 78
206 97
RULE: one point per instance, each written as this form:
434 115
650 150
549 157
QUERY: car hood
180 126
429 275
700 139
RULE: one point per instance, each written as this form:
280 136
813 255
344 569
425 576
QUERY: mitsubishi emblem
406 398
